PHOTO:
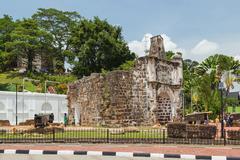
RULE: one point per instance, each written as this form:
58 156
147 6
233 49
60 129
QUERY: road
68 157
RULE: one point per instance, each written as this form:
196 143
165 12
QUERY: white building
29 103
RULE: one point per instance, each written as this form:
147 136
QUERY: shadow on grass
7 87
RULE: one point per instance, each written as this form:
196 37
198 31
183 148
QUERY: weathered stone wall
102 99
117 96
148 94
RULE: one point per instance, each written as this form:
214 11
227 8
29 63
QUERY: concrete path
233 151
118 152
67 157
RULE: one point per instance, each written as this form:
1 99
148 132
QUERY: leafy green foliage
6 27
57 23
201 82
7 59
97 45
27 41
128 65
169 55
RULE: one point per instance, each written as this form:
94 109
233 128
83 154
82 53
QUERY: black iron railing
102 135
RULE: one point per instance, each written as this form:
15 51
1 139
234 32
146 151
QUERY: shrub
201 131
183 130
207 131
192 131
176 130
234 135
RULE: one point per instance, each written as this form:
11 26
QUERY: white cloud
237 57
205 47
139 47
170 45
199 52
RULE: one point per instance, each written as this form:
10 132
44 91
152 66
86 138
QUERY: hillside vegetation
8 81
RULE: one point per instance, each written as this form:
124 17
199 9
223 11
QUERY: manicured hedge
183 130
176 130
234 135
207 131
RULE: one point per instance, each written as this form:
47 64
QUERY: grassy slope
230 109
9 79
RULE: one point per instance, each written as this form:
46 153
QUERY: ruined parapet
157 47
148 94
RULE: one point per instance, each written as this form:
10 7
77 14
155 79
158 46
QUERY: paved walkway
233 151
68 157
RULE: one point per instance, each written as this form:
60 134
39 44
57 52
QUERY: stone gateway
148 94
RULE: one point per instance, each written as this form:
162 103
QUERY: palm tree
228 79
212 70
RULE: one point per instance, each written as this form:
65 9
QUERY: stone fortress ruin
148 94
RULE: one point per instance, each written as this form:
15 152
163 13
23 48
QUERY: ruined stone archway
163 110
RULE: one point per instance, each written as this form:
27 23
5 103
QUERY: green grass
9 79
230 109
154 133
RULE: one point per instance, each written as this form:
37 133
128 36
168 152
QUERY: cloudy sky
197 28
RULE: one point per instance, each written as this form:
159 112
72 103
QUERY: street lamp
16 103
182 103
23 86
47 81
221 87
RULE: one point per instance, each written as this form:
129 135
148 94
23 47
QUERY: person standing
65 119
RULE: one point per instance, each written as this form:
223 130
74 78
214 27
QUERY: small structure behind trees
197 118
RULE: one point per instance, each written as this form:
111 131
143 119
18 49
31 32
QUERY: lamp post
23 86
45 90
16 104
221 87
183 103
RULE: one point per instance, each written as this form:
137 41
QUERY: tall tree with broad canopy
209 73
7 59
28 40
97 45
58 24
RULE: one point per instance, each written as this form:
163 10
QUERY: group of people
65 120
228 120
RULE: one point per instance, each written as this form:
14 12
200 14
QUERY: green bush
234 135
201 131
176 130
207 131
183 130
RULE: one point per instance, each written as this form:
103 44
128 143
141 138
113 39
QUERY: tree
228 79
128 65
96 45
7 60
169 55
190 80
210 72
27 41
58 24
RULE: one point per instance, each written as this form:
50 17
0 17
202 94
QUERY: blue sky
197 28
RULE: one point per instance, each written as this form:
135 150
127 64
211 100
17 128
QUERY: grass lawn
230 109
153 133
8 80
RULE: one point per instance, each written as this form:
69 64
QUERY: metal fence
100 135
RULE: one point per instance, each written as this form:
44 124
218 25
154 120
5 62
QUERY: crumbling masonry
148 94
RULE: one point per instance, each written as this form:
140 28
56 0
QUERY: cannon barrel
43 120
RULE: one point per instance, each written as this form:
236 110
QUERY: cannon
42 120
